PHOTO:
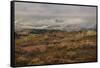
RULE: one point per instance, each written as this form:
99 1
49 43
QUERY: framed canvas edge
12 49
12 35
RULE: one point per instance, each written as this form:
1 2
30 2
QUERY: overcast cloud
43 15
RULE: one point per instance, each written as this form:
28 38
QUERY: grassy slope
56 47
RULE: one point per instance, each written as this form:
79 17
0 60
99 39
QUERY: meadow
56 47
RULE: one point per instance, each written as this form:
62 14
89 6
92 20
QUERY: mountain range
55 25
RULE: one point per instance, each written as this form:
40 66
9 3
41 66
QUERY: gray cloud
51 9
35 14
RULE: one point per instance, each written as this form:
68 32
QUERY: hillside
56 47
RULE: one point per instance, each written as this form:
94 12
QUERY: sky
38 15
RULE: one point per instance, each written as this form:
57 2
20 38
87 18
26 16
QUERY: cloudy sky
37 15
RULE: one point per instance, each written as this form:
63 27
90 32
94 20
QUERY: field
56 47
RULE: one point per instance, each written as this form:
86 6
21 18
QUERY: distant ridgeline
40 31
26 32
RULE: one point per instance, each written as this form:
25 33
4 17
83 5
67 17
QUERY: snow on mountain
57 24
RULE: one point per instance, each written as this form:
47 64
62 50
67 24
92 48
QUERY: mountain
71 27
54 24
